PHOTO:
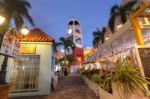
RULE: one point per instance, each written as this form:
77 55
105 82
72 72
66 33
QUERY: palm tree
54 46
67 44
61 61
15 10
120 11
98 36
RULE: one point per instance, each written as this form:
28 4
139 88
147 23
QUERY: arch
70 23
76 23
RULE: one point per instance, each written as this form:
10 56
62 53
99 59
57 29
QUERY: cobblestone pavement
71 87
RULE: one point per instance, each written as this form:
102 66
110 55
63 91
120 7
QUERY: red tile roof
36 35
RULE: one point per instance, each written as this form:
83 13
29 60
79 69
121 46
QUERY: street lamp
24 31
4 65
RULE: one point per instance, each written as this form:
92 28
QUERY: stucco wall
45 52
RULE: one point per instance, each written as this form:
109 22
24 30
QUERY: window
25 75
76 22
70 23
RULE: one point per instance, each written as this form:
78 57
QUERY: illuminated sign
27 49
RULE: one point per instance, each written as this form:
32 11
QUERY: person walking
65 71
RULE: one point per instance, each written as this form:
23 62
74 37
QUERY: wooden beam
137 30
142 8
144 15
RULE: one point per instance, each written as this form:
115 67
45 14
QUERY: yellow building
87 52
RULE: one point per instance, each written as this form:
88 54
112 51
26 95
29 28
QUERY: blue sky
52 16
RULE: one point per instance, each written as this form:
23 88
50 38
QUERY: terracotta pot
4 90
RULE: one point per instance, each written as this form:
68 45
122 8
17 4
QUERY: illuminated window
25 75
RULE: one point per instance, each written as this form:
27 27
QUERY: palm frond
16 10
19 21
111 23
127 77
129 5
114 9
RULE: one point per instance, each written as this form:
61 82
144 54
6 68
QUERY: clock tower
74 33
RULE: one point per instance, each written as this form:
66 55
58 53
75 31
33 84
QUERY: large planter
121 95
105 95
93 86
4 91
117 94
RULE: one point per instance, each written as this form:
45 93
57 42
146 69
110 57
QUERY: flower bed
93 86
103 94
123 83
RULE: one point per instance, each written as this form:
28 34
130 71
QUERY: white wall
45 68
45 52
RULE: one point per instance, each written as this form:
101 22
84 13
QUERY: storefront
31 71
131 41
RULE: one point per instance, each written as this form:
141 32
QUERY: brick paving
70 87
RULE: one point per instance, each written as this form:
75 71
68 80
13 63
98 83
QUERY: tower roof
73 21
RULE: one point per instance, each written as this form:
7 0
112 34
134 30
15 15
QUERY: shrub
89 73
127 77
96 78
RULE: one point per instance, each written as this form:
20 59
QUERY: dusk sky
52 16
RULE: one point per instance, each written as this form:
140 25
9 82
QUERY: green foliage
120 11
61 61
89 73
67 44
80 70
98 36
96 78
16 10
128 78
106 81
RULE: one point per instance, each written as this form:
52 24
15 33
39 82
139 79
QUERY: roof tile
37 35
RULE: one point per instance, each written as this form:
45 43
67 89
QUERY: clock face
69 31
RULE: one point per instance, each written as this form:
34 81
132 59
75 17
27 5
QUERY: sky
52 16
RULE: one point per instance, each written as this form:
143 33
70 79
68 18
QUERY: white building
75 34
31 72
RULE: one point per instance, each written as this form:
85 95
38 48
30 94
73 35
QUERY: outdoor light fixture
69 31
2 20
24 31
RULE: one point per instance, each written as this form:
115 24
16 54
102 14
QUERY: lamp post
3 71
3 66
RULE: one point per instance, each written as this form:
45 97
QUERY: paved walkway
71 87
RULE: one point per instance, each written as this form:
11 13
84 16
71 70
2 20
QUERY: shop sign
9 45
27 49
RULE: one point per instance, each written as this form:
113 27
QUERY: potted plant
128 80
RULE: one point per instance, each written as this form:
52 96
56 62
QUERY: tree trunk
65 57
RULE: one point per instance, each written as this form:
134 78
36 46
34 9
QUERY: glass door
25 75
